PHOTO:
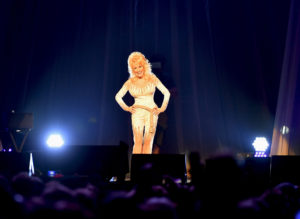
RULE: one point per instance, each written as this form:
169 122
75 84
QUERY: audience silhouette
216 189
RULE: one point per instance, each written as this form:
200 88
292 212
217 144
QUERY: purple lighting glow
7 150
260 154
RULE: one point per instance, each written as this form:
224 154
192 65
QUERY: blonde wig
137 57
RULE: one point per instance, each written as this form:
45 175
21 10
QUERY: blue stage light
260 145
55 141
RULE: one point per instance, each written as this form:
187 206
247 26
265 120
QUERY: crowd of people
219 190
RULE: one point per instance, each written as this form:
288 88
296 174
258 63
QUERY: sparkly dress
143 121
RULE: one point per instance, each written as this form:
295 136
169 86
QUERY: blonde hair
137 57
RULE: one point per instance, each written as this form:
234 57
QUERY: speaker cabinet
285 169
172 165
12 163
106 161
256 173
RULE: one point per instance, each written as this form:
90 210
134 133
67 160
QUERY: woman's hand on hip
131 109
157 111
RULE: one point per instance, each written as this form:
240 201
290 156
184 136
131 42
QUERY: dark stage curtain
64 61
286 139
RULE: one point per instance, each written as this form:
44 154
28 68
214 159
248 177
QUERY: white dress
143 120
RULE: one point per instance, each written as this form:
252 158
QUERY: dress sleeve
119 96
165 92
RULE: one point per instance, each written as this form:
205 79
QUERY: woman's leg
149 136
137 120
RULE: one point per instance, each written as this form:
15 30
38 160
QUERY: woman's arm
166 94
119 97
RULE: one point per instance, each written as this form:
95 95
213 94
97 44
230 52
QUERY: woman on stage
144 112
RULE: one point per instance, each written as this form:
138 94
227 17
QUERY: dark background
64 61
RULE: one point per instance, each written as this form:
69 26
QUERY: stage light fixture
6 150
55 141
284 130
51 173
260 145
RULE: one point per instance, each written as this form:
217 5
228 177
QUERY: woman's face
138 70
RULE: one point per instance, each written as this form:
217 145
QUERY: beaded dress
143 121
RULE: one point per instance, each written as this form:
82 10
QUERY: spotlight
51 173
284 130
55 141
9 149
260 145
